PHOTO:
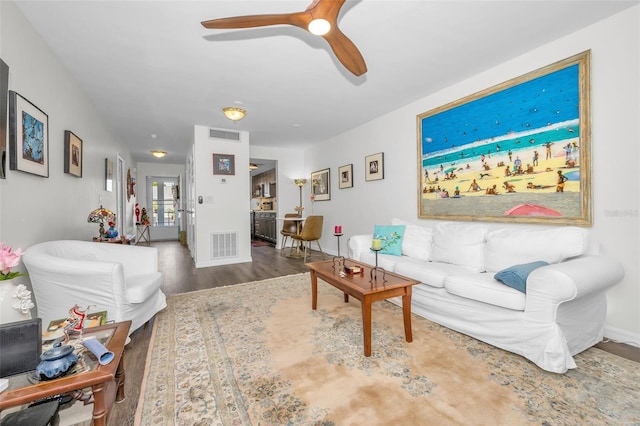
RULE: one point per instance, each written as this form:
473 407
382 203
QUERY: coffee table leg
406 313
366 325
314 290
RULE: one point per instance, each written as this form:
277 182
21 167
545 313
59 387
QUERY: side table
143 234
106 381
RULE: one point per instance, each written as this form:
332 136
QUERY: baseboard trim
621 336
226 261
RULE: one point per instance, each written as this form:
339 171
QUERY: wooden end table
366 289
105 381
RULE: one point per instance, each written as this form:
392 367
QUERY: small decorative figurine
145 217
137 213
76 321
112 232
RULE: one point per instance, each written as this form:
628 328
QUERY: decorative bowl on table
55 362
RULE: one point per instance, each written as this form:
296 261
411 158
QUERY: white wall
158 169
225 198
615 100
33 208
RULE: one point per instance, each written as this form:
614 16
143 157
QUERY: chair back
312 229
289 227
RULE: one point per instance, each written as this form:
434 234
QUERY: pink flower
8 260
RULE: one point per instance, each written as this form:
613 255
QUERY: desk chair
289 228
311 231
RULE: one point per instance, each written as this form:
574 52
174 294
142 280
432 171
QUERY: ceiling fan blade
251 21
346 52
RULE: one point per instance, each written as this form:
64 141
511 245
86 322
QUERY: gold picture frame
519 151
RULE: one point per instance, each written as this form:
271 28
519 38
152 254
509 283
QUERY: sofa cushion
386 261
141 287
516 275
484 288
417 240
391 236
460 244
432 274
507 247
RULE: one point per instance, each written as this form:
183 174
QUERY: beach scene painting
516 152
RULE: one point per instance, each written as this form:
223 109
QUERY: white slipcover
120 279
561 315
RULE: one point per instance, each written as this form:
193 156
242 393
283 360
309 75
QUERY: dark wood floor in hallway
181 276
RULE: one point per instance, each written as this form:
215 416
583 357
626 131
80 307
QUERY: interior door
190 204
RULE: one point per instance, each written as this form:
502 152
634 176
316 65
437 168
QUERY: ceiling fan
319 18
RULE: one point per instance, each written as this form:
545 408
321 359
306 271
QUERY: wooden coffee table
106 381
366 289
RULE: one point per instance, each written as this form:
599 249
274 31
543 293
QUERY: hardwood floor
181 276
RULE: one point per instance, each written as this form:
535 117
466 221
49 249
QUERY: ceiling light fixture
319 26
158 154
234 113
253 166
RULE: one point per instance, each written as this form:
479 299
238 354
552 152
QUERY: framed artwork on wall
4 94
224 164
374 167
72 154
321 185
515 152
108 175
28 137
345 176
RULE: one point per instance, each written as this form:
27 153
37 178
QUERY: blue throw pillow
391 237
516 276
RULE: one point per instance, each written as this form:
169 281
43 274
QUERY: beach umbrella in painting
531 210
450 169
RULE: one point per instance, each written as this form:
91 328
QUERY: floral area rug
257 354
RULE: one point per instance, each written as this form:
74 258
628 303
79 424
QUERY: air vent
224 245
223 134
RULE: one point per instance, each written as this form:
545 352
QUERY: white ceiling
151 68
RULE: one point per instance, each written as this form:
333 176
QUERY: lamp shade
101 215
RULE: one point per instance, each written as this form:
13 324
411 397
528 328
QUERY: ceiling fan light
158 154
234 113
319 26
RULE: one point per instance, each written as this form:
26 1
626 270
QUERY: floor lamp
300 183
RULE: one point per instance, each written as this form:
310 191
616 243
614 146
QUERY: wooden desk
105 381
116 240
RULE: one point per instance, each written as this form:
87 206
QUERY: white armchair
120 279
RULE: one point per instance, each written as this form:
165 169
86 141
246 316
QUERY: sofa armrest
551 285
358 244
135 260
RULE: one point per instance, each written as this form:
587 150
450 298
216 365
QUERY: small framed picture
374 167
224 164
28 137
72 154
345 176
320 185
108 175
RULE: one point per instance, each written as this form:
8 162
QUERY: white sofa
562 312
120 279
